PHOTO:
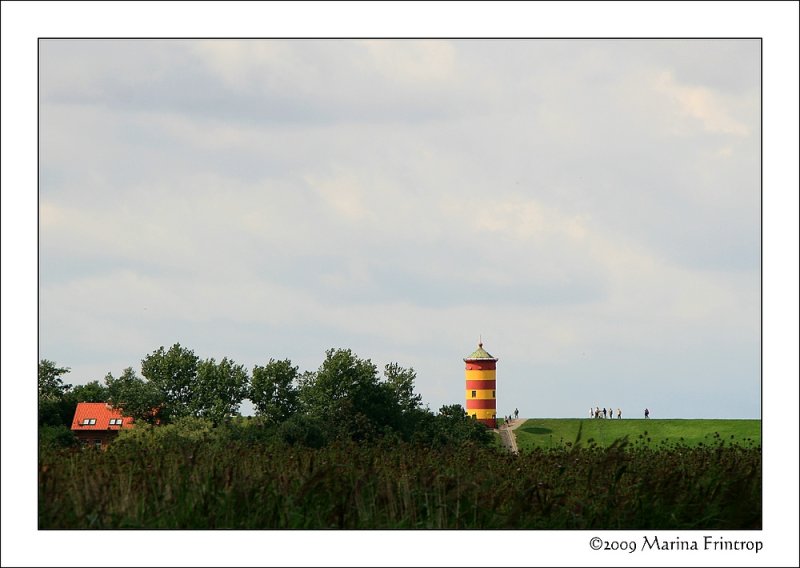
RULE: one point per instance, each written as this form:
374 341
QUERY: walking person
604 412
619 414
516 413
610 412
646 413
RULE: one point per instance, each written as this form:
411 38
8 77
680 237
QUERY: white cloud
521 218
702 104
243 65
413 62
344 193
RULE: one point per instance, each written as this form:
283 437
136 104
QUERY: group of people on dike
598 412
512 416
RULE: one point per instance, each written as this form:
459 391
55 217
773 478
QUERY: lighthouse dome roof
480 353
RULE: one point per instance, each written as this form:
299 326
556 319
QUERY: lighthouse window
494 395
474 393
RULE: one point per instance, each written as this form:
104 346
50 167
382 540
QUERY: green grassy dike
555 433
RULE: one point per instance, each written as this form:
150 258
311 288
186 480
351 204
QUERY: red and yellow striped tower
481 387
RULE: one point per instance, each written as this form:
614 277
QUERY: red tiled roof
102 414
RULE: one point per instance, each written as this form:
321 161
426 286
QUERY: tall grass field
709 480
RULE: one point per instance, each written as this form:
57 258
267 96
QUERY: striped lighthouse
481 386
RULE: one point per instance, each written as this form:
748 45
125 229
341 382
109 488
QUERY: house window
98 443
116 422
473 394
88 421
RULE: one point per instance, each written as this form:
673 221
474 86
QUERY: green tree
453 412
220 389
134 396
186 432
457 426
50 384
302 430
174 373
273 390
54 407
346 394
54 437
92 391
450 427
401 382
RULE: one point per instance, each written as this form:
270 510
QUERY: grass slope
555 433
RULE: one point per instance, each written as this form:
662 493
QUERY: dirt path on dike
507 434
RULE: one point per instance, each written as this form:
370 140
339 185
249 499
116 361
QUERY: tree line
346 398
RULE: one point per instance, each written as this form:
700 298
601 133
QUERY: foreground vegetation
549 433
207 481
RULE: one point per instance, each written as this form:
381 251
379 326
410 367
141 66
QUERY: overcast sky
590 208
